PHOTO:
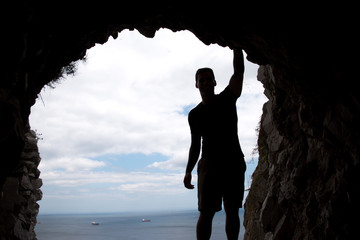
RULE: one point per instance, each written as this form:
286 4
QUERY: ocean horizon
161 225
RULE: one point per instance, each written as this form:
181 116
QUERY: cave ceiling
294 38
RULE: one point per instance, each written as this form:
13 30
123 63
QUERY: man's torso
216 122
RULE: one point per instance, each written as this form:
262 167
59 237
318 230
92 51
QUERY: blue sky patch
187 109
129 162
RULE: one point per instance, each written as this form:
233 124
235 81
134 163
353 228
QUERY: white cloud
68 164
128 97
81 178
165 184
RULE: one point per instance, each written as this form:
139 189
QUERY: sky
115 137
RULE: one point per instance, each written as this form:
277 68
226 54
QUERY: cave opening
306 187
111 113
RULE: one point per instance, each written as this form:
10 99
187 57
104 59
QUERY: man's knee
207 213
231 209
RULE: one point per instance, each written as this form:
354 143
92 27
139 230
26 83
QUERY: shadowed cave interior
305 185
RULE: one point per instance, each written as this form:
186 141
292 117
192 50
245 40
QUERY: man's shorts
219 184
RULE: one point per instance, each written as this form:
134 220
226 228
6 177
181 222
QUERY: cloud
131 96
165 184
127 191
128 98
68 164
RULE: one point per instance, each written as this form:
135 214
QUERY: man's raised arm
236 80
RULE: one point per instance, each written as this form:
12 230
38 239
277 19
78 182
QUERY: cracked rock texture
20 192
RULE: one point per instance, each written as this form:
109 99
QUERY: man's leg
204 225
232 226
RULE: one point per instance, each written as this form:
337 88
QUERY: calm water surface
128 226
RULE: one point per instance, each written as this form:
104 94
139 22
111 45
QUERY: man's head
204 70
205 79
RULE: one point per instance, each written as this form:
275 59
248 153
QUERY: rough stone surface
304 186
306 183
20 192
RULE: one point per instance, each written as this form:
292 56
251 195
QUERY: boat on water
95 223
145 220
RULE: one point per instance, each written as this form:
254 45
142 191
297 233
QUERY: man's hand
187 181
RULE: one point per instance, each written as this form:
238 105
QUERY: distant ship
146 220
95 223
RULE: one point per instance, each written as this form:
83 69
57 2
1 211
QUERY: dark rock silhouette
306 183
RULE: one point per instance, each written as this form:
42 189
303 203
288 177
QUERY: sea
175 225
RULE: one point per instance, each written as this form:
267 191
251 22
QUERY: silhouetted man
222 166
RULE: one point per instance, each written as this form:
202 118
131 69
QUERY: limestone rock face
303 187
20 192
306 183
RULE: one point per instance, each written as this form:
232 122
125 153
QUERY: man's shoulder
196 108
195 111
227 94
226 91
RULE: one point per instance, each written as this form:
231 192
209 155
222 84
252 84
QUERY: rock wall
303 187
20 192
